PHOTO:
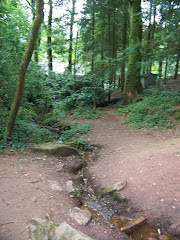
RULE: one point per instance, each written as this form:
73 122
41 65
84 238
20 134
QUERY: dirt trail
149 161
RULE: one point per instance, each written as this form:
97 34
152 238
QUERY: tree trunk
75 55
109 50
49 40
124 43
133 83
160 70
165 74
71 36
22 72
93 32
177 67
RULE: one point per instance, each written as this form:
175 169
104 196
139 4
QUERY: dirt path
149 161
26 192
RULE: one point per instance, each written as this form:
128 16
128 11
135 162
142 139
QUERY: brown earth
149 160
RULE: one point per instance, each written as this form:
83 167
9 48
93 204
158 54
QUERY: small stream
103 209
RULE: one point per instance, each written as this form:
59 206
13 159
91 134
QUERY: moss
119 199
55 149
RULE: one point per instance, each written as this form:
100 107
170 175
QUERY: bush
75 130
152 111
86 113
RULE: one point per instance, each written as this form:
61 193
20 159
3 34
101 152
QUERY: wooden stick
6 223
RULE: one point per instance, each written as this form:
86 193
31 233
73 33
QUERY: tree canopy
84 52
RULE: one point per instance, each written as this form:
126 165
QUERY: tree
71 36
133 84
22 72
49 33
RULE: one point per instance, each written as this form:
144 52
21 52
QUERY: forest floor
148 160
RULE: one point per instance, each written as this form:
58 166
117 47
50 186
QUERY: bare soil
148 160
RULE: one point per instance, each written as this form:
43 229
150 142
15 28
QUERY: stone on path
66 232
81 216
63 150
115 187
76 164
55 186
70 186
132 224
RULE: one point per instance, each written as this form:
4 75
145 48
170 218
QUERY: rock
132 224
115 187
33 199
40 229
66 232
55 186
76 164
38 221
163 237
59 167
70 186
32 228
174 230
55 148
81 216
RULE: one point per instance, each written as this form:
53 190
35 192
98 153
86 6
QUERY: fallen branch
6 223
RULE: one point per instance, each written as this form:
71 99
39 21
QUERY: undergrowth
86 112
151 109
75 130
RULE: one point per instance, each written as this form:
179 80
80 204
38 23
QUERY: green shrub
152 111
75 130
82 144
86 112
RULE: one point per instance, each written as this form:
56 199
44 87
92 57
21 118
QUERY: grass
150 110
75 130
86 112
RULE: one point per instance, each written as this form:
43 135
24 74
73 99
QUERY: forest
61 57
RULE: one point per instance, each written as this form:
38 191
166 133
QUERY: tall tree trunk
33 9
32 5
75 55
22 72
177 67
114 51
49 39
124 43
160 69
93 32
109 50
71 36
133 83
166 68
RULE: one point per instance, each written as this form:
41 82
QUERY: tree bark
75 55
71 36
109 50
124 43
93 33
166 68
22 72
49 39
133 83
177 67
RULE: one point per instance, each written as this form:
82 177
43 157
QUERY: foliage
75 130
70 92
151 110
26 132
82 144
86 112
